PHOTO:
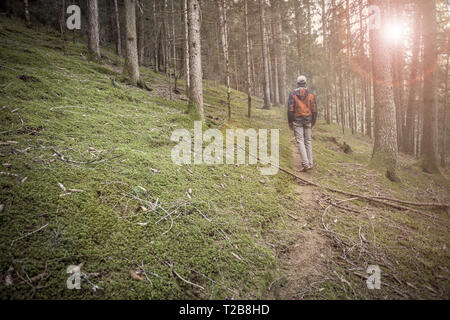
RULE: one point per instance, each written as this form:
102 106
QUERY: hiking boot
309 168
304 169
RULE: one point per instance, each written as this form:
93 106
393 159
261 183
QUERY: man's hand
291 125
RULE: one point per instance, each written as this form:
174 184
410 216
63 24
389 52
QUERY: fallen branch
182 279
377 199
28 234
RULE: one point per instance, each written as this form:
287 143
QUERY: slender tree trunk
348 73
156 28
411 112
325 62
131 66
275 56
397 68
195 61
430 123
186 47
385 149
224 36
308 19
247 61
444 116
355 113
298 34
341 98
254 79
62 22
280 55
271 60
117 22
94 38
266 82
27 14
141 34
369 108
174 49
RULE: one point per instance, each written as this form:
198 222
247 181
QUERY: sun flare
396 31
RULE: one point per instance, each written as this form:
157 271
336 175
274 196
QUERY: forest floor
86 178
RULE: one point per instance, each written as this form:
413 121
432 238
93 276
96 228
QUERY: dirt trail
304 263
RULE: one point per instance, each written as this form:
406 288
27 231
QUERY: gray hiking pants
302 133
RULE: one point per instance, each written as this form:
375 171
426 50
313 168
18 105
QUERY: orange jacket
302 103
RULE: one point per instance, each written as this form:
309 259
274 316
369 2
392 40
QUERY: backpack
302 104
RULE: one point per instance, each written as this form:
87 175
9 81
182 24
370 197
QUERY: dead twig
29 234
170 265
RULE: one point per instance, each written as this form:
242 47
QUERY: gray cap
301 80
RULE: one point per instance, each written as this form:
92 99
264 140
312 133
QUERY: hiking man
302 115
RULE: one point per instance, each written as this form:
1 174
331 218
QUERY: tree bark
325 62
411 111
266 83
117 22
93 31
174 49
186 47
141 35
444 116
27 14
131 66
274 55
156 25
195 107
429 156
369 108
224 38
62 22
280 55
298 35
247 61
385 151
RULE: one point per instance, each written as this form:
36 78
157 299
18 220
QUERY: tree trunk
341 97
174 49
62 21
274 57
195 61
411 111
325 62
131 66
266 82
369 108
27 14
186 47
444 116
308 20
224 36
397 67
93 34
156 28
280 55
141 37
385 149
430 124
298 34
247 61
117 22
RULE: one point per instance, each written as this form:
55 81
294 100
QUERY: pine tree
131 66
195 61
385 151
93 33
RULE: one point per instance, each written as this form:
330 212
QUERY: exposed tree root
382 200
